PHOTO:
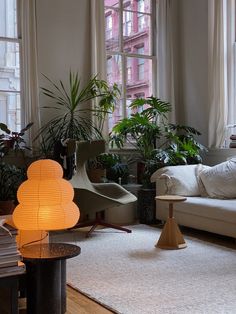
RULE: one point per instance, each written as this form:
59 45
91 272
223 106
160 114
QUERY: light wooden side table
171 237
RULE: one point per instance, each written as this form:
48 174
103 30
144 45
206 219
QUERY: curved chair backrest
89 149
85 150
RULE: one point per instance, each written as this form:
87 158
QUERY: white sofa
211 196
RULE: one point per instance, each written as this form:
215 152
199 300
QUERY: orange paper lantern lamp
45 199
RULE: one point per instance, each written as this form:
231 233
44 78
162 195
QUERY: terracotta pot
9 143
7 207
95 175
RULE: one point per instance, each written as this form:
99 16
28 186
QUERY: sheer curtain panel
221 71
29 67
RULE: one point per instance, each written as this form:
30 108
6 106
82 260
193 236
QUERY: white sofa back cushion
177 180
220 180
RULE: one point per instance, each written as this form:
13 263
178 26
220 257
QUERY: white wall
63 37
193 65
63 30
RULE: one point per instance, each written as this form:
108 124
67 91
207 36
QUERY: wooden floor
77 303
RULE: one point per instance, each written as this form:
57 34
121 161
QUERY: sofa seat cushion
224 210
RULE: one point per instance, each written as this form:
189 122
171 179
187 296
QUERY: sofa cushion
177 180
220 180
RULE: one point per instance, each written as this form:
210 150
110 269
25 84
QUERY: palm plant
72 119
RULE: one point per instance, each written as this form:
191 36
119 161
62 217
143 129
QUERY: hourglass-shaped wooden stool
171 237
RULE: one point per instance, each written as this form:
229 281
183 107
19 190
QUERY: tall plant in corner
72 117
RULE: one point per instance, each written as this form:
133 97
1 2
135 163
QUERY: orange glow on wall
45 199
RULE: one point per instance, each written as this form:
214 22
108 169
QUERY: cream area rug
127 274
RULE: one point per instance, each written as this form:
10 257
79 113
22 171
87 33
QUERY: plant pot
7 207
147 206
96 175
9 143
140 171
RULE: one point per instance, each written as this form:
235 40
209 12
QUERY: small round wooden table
171 237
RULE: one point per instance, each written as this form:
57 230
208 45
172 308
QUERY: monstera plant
158 143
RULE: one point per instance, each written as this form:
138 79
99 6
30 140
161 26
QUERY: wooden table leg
171 237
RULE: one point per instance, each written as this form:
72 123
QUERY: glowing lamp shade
45 199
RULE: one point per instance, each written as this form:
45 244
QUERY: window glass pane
116 116
8 18
136 32
114 75
112 3
126 51
127 23
10 110
140 83
112 30
114 70
140 5
9 66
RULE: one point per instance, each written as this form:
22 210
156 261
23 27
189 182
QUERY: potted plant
72 119
158 144
12 139
10 179
107 166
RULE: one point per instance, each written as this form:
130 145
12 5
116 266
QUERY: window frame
16 40
124 55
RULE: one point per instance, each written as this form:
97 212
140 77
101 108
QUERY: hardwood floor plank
79 303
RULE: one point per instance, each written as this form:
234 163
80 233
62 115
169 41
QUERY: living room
67 35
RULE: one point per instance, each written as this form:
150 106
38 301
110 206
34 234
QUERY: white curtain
165 54
98 48
98 39
29 67
221 77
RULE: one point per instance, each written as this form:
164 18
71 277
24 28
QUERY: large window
130 51
10 45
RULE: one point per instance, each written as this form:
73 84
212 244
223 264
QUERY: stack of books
10 257
232 143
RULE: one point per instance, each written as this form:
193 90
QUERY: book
6 228
9 254
233 137
8 245
17 269
10 258
7 239
8 251
232 145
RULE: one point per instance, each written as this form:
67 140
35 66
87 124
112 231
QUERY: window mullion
121 43
124 63
11 40
153 47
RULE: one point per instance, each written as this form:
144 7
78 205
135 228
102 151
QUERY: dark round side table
46 276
